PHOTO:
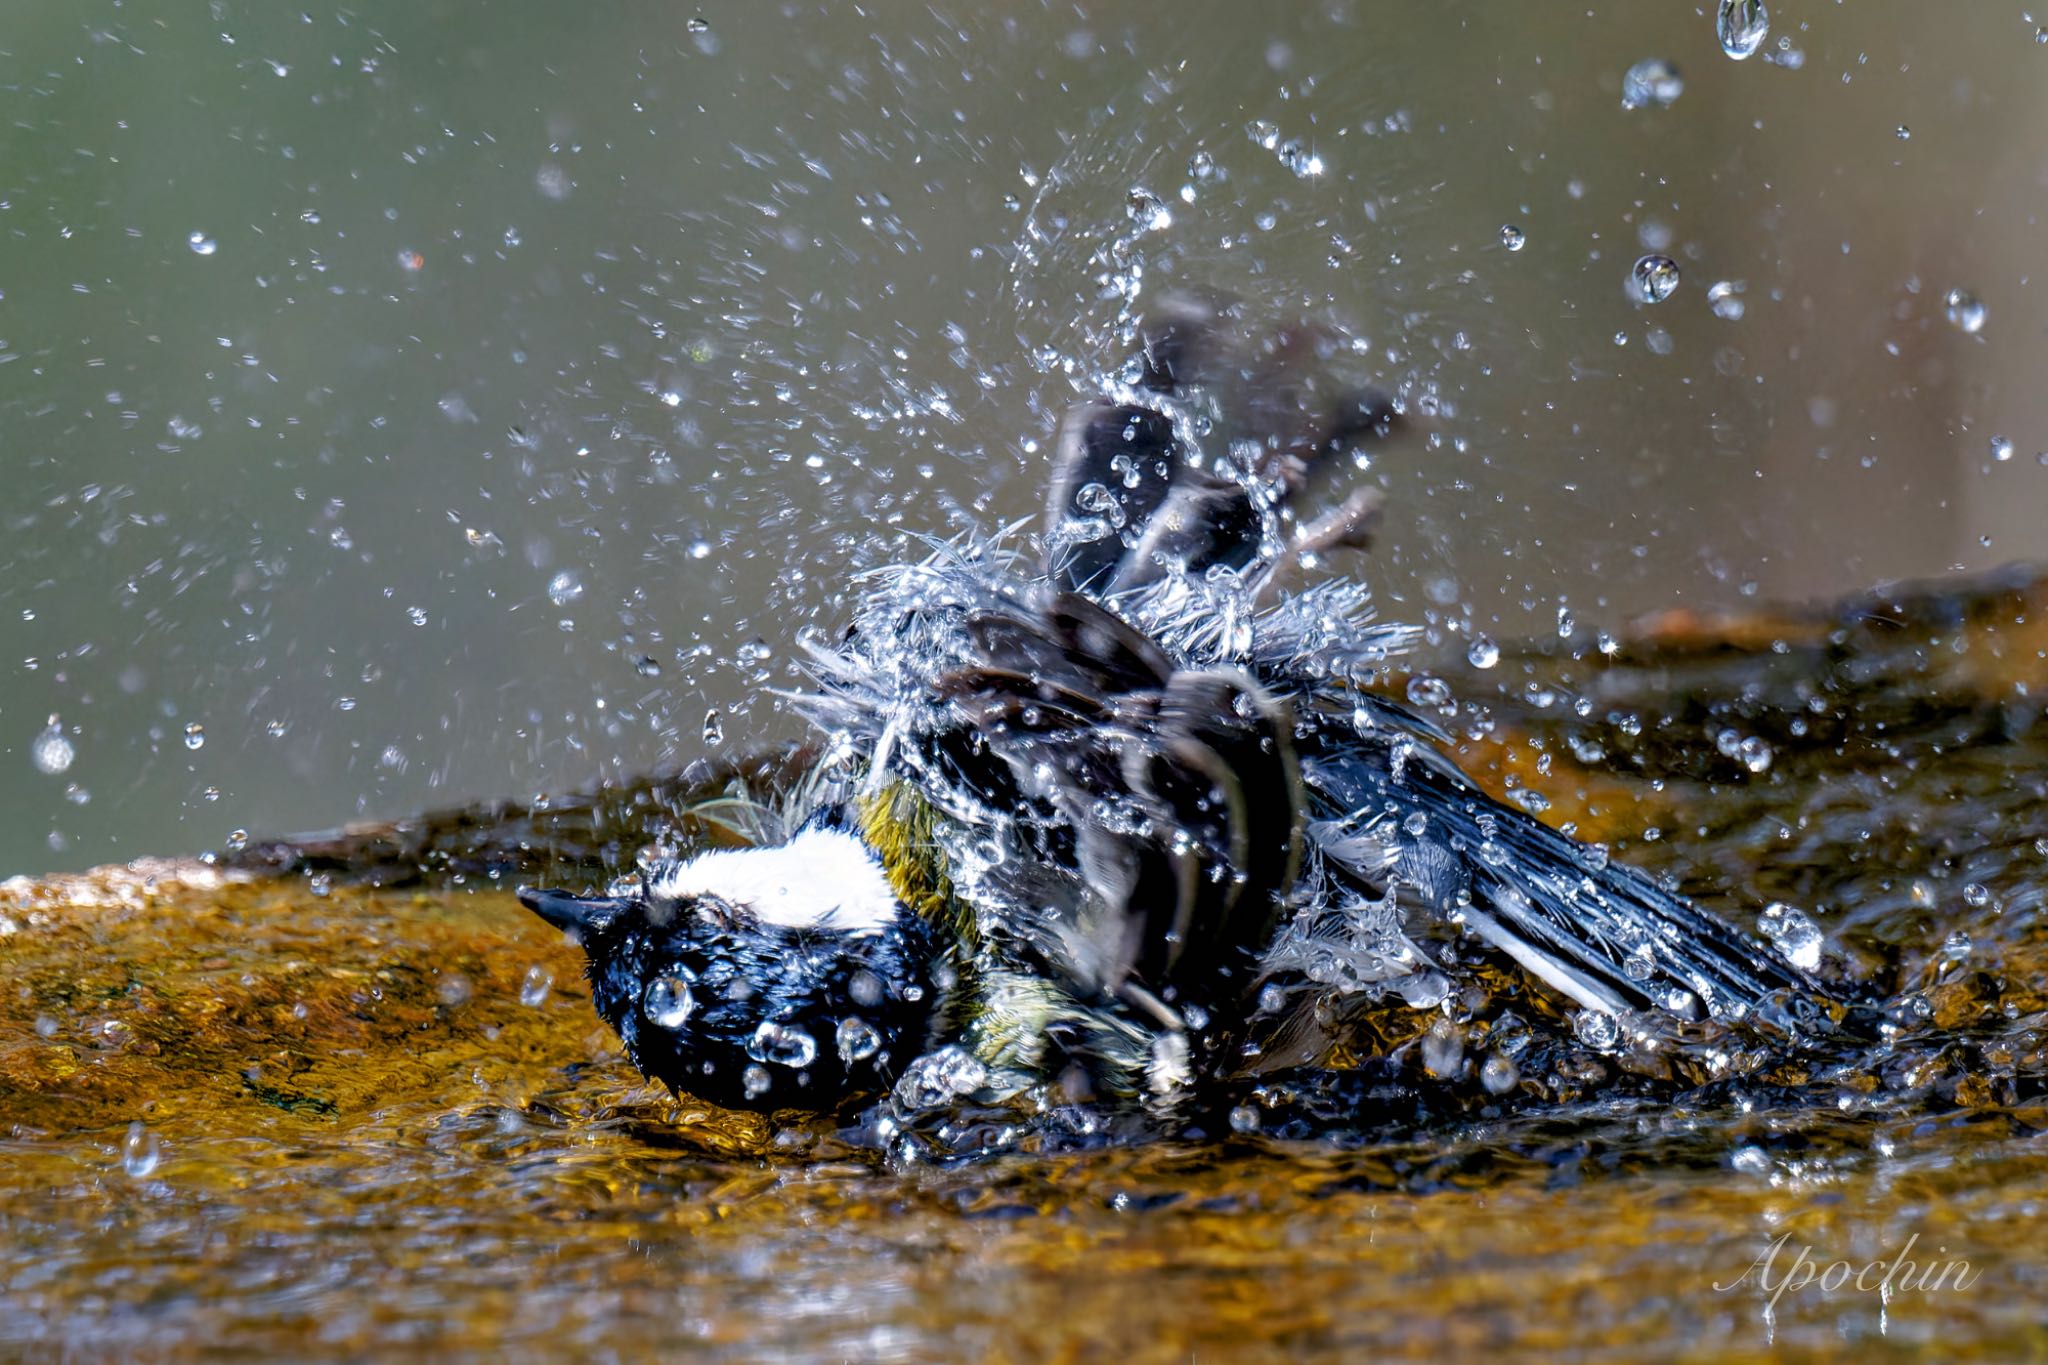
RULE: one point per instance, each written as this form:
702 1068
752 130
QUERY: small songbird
1119 812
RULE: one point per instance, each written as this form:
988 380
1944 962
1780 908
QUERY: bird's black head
718 1001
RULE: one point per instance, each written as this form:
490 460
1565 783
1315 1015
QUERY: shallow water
259 1106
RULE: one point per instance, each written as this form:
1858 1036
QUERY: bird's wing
1601 933
1173 797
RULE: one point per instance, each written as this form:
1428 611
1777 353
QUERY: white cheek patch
822 879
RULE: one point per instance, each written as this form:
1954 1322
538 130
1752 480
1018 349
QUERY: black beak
571 912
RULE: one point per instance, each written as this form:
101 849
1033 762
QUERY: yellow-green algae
366 1131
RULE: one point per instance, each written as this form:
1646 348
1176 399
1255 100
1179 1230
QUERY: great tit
1119 812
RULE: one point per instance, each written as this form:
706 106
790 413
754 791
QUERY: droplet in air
2001 448
1725 298
1794 934
1651 82
667 1001
564 588
1499 1075
1597 1029
195 736
201 244
1966 312
1654 278
51 751
857 1040
1902 132
1443 1051
1512 237
1742 26
714 727
783 1045
1484 653
533 991
140 1152
1424 690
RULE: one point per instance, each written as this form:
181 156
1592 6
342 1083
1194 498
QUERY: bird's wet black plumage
1145 820
751 1015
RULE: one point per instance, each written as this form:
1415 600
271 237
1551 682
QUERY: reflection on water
304 1116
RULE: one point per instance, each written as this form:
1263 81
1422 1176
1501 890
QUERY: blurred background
413 402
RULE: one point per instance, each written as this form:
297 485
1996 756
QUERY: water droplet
940 1077
533 990
1597 1029
564 588
783 1045
668 1001
552 181
1653 278
1966 312
1751 1160
410 261
1742 26
1300 158
714 727
1499 1075
1202 167
1244 1119
1976 895
1146 210
1443 1051
1652 81
1641 963
140 1152
195 736
1902 133
857 1041
1414 823
755 1080
51 751
201 244
237 840
184 429
1484 653
1266 135
698 24
1755 754
2001 448
1424 690
1725 298
1794 934
320 884
1512 237
454 990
